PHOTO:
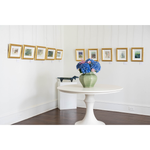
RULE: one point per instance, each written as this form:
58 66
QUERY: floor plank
69 117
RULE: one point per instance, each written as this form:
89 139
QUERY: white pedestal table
89 118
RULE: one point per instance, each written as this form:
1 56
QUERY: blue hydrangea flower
96 66
92 61
88 66
78 65
85 68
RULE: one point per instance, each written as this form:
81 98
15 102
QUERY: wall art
107 54
14 51
40 53
50 53
28 52
80 54
59 54
137 54
122 54
93 54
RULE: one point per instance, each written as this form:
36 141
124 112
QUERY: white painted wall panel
28 35
25 84
107 37
80 34
122 36
133 76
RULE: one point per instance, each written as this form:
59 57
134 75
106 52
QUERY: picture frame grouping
34 52
137 54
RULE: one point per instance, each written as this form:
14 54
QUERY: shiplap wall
132 76
28 88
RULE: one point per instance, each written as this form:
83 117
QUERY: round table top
97 89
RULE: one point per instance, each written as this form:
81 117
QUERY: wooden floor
69 117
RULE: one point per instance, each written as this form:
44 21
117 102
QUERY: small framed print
50 53
59 54
106 54
93 54
80 54
28 52
137 54
122 54
14 51
40 53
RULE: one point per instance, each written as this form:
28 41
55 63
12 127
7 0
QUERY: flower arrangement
88 66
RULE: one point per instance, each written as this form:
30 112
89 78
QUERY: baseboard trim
117 107
28 113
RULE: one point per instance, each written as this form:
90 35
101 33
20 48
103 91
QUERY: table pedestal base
89 118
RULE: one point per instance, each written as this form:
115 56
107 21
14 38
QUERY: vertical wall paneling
30 85
118 37
100 37
122 36
111 36
115 36
87 37
90 38
138 35
142 35
81 36
126 35
97 37
133 35
93 36
62 46
84 37
107 36
130 35
55 42
77 36
14 34
23 34
28 35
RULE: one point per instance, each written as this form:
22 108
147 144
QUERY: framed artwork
14 51
50 53
80 54
122 54
137 54
107 54
40 53
93 54
59 54
28 52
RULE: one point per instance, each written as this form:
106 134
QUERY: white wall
134 77
28 88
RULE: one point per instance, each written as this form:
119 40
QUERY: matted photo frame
93 54
50 53
40 53
59 54
80 54
28 52
122 54
137 54
107 54
14 51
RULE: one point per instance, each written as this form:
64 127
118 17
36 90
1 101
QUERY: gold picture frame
40 53
28 52
137 54
122 54
59 54
80 54
93 54
14 51
52 55
107 54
